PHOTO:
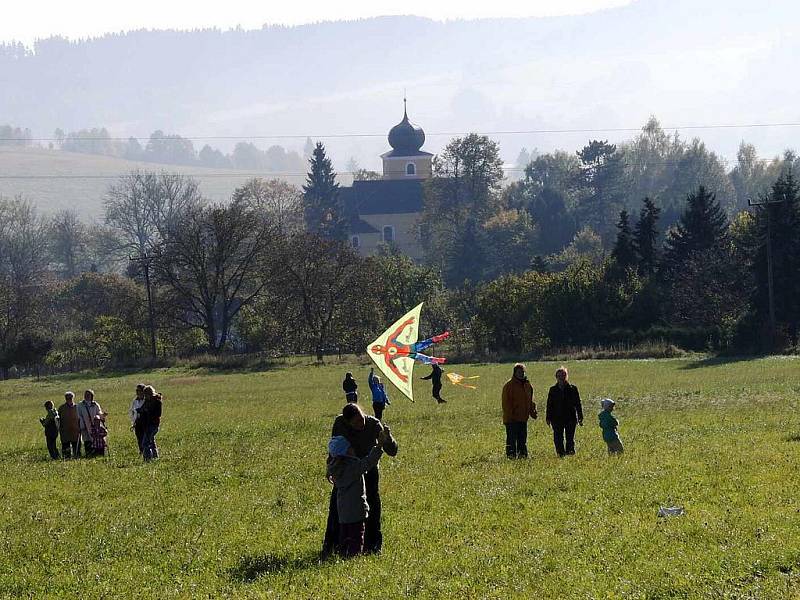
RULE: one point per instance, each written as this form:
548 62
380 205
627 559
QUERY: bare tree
23 276
213 266
69 243
276 201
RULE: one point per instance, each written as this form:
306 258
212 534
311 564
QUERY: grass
236 506
36 173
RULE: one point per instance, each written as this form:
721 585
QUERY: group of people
83 425
564 414
358 441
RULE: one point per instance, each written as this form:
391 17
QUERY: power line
427 134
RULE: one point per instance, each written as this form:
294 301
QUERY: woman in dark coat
564 412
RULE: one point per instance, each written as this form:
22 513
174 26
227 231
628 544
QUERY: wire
438 133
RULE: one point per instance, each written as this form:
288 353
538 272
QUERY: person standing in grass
380 399
350 388
564 412
609 425
362 432
436 378
137 424
151 414
518 406
88 412
346 472
50 424
70 427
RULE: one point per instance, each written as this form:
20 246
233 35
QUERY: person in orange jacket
518 406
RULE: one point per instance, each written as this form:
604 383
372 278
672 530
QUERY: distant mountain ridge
686 62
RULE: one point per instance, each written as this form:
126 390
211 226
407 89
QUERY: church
386 210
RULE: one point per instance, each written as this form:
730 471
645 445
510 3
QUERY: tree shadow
793 438
716 361
250 568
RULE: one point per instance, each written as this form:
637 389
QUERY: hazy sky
27 20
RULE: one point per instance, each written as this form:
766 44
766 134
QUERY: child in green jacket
50 424
609 425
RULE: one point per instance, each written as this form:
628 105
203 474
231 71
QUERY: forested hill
348 77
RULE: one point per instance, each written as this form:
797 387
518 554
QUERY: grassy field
236 506
55 180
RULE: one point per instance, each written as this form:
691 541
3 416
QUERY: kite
396 350
457 379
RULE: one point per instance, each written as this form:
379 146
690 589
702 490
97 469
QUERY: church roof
382 197
405 138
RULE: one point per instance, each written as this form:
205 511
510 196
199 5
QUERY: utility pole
146 261
766 203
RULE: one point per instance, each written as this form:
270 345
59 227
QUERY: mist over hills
687 63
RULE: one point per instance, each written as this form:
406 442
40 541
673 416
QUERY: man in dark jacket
362 432
436 378
564 412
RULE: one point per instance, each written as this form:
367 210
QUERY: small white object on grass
671 511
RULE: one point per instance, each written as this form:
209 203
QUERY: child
50 424
151 412
609 424
347 474
99 435
350 386
380 399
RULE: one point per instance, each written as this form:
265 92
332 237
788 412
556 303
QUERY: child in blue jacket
380 400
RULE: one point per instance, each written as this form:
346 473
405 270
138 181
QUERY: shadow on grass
793 438
251 568
716 361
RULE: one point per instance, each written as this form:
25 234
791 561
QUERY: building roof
396 154
361 226
405 137
382 197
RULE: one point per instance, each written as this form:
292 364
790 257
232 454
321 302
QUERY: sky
28 20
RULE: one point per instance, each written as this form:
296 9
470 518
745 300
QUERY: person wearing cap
609 425
363 433
518 405
564 412
346 472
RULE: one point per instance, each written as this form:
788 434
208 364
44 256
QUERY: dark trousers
373 538
71 449
517 440
351 538
437 390
561 431
351 397
51 446
139 429
377 408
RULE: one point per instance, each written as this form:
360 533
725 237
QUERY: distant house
385 211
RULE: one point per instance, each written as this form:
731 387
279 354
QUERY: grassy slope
236 507
86 194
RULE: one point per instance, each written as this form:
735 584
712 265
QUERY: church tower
405 160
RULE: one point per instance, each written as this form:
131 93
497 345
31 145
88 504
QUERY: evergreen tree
604 174
703 226
323 210
645 238
783 204
624 252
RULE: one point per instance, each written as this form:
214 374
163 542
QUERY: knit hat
338 446
607 403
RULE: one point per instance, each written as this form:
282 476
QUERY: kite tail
429 360
441 337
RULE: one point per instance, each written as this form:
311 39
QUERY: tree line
169 273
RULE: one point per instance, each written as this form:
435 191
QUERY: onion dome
406 138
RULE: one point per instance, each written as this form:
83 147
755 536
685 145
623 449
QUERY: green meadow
236 506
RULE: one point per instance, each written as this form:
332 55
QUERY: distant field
236 506
54 180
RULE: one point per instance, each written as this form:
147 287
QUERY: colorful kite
457 379
396 350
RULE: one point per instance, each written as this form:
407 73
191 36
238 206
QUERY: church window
388 234
411 169
356 243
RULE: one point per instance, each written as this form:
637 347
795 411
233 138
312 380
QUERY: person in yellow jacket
518 406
